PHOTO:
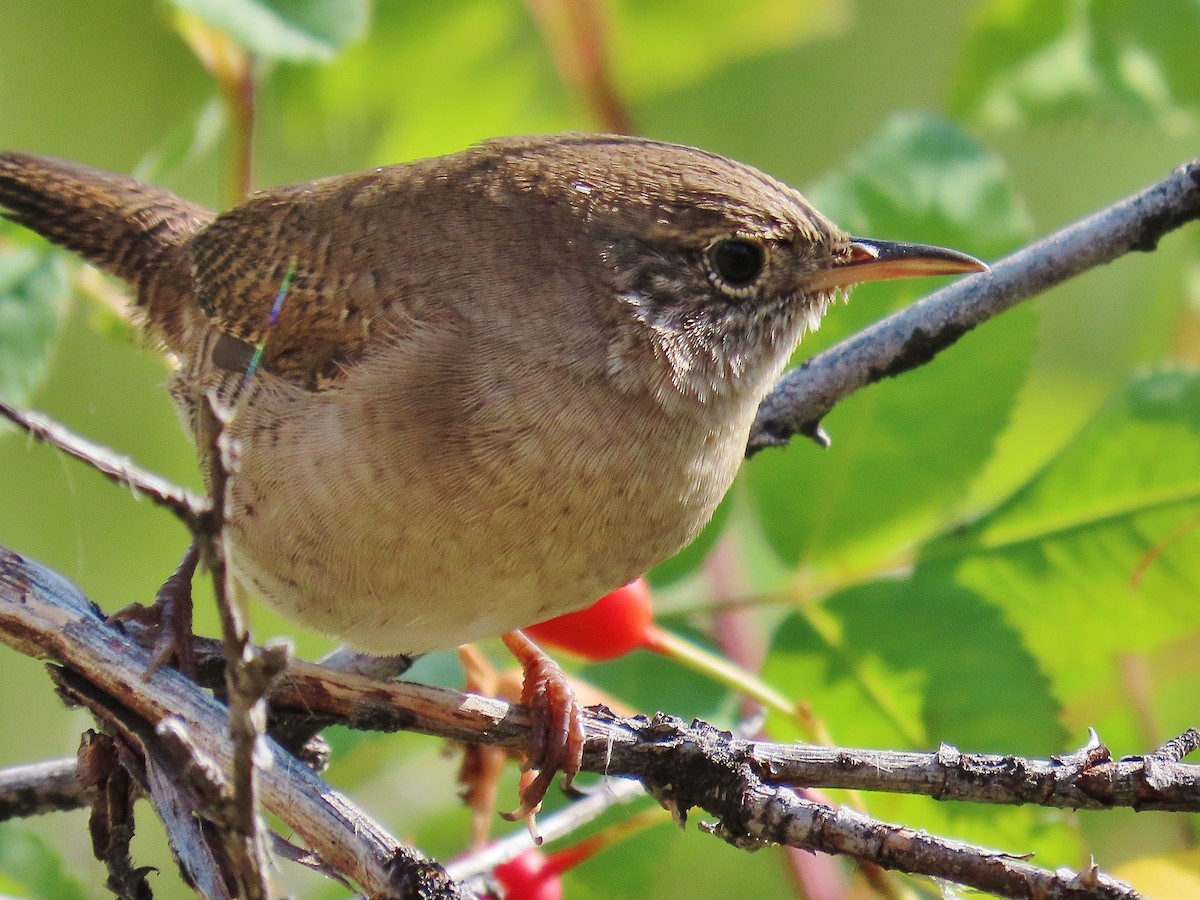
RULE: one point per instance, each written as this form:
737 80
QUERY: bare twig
1178 747
44 787
186 506
914 335
780 815
574 31
610 793
249 672
232 68
1091 781
240 101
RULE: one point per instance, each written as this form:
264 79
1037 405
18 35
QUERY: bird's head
712 269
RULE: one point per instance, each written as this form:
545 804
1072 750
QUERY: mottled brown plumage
503 383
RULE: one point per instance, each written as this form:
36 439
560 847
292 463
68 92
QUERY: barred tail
132 230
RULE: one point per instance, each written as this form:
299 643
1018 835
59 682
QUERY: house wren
501 383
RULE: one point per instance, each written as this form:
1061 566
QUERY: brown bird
501 383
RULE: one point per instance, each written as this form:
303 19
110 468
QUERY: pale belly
393 549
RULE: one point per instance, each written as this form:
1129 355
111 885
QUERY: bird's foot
556 743
171 616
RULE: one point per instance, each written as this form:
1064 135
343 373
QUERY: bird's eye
736 264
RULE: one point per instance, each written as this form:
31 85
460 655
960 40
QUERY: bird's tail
132 230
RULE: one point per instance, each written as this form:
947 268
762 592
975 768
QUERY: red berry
530 876
611 627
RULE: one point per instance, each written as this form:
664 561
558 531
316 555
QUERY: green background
957 567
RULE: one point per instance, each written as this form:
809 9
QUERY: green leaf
1029 62
1095 558
913 663
1150 57
904 450
897 662
28 865
34 295
297 30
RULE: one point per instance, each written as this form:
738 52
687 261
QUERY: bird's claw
171 615
556 740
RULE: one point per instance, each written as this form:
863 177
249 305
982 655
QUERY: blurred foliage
33 305
31 867
998 550
301 30
1028 63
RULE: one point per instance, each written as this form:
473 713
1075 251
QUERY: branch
575 33
749 786
1087 779
249 673
914 335
780 815
612 792
40 788
186 506
44 616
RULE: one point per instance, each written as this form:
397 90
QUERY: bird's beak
872 260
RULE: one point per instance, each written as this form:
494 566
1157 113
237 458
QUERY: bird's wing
338 246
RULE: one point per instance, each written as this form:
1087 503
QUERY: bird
471 392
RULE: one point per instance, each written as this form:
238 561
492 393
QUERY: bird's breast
398 527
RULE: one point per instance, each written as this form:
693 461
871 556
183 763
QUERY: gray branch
44 616
914 335
185 505
749 787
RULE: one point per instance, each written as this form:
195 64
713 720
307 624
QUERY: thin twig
185 505
240 101
40 788
1076 781
232 68
780 815
914 335
249 673
611 792
574 31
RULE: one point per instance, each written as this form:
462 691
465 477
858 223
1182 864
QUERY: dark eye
736 263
